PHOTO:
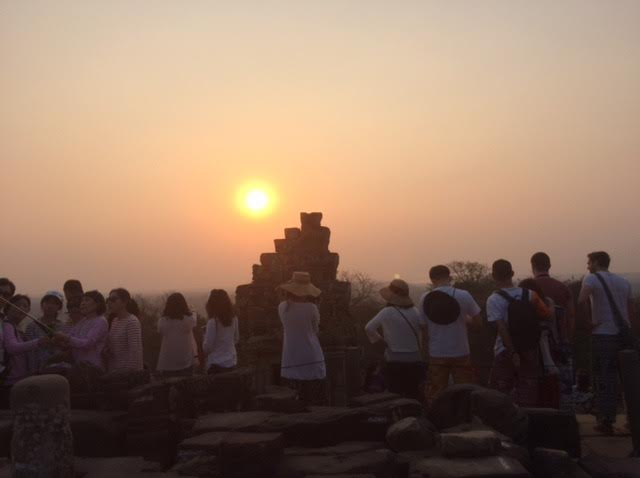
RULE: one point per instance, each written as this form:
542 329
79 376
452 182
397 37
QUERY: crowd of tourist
426 344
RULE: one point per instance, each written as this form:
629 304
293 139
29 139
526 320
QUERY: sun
256 198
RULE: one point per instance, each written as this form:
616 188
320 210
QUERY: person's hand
60 338
515 358
43 341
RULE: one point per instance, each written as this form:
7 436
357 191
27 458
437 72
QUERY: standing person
88 336
564 329
51 305
15 344
221 335
401 326
7 290
124 344
303 363
73 293
178 352
610 321
549 396
447 312
517 313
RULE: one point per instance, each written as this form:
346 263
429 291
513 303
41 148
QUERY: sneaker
604 429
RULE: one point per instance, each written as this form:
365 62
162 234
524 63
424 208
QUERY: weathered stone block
469 444
372 399
550 428
552 463
278 399
380 463
238 421
486 467
499 412
310 220
292 233
42 443
411 434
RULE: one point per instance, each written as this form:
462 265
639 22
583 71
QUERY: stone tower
303 249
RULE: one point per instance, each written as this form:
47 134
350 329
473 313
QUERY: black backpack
523 322
441 308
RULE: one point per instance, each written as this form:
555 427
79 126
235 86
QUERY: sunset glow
257 201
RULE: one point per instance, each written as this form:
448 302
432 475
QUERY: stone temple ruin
302 249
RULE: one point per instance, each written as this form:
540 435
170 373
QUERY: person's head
533 285
72 288
540 263
396 294
51 304
7 289
176 307
440 275
92 304
22 306
299 288
219 307
501 271
73 309
119 300
598 261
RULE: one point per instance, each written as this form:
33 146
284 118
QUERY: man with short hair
449 353
563 325
606 341
516 371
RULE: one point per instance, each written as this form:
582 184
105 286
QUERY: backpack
524 323
441 308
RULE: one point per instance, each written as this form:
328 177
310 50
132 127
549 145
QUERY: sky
425 132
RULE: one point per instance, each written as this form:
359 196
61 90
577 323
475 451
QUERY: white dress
302 357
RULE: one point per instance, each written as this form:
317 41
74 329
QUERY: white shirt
219 343
302 356
178 350
451 340
600 309
401 338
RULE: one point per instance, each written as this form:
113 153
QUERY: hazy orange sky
424 131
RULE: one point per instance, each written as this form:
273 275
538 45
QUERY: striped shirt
125 344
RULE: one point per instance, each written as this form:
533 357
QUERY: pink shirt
125 344
18 349
87 339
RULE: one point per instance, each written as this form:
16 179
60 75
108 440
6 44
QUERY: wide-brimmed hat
397 293
300 285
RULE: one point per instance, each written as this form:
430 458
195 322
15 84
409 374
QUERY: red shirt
561 295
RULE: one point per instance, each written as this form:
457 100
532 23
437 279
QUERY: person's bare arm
475 321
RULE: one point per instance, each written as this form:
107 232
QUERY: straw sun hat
397 293
300 285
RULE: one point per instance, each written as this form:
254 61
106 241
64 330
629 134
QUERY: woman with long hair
221 335
124 344
303 363
87 337
178 351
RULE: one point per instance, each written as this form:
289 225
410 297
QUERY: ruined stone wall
302 249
